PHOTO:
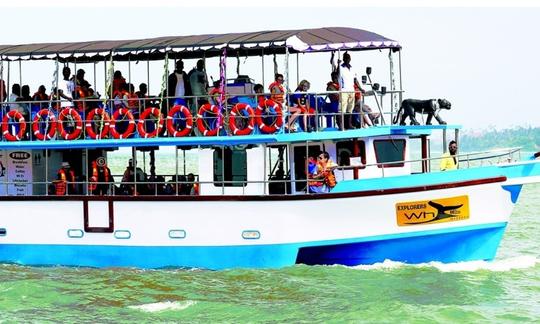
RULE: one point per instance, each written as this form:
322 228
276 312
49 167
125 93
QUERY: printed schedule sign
16 173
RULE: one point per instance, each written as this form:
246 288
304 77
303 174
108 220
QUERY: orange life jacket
62 184
92 185
277 96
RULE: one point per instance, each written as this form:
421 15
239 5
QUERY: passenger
128 180
259 90
192 185
14 97
80 81
449 160
92 100
215 93
199 84
132 99
348 79
315 184
363 112
121 97
41 97
276 89
3 91
66 87
332 108
142 94
25 99
300 106
178 85
101 179
325 171
65 181
117 82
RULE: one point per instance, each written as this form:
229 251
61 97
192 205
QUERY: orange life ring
237 111
275 126
78 124
124 112
141 126
41 117
208 108
170 121
14 114
89 123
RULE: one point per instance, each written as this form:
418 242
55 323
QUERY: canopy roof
211 45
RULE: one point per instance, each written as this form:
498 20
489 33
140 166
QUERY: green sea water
505 290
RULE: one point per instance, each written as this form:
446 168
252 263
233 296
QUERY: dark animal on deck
431 107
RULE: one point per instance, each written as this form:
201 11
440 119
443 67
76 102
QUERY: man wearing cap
65 183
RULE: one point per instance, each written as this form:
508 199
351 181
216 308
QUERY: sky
483 59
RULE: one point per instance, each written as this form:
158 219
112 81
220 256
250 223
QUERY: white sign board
18 172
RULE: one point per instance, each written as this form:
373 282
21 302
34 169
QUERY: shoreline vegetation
528 138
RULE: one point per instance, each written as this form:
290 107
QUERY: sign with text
432 211
19 173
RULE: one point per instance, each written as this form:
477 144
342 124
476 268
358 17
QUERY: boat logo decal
432 211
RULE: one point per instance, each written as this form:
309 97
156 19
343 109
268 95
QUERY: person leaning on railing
449 160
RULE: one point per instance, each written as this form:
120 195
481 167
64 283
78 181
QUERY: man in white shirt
66 88
347 78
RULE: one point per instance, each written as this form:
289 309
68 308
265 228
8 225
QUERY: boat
249 203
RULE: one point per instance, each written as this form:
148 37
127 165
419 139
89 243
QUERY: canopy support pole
286 74
297 68
3 84
400 80
262 64
20 73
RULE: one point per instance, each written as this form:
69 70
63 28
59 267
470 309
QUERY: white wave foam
502 265
162 306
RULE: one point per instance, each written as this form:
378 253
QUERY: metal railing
179 188
322 113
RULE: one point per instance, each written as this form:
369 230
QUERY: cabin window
301 156
345 150
388 151
230 167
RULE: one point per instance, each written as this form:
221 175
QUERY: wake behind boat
282 177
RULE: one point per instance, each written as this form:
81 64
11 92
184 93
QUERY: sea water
505 290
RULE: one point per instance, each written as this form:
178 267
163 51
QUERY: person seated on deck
215 93
132 100
3 91
300 106
277 90
41 98
178 85
128 180
65 181
118 80
363 116
259 90
121 97
449 160
325 171
315 184
25 100
92 100
192 185
142 94
101 178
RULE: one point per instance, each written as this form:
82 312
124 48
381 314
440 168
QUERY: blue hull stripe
477 242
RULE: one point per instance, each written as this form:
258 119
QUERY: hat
65 165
